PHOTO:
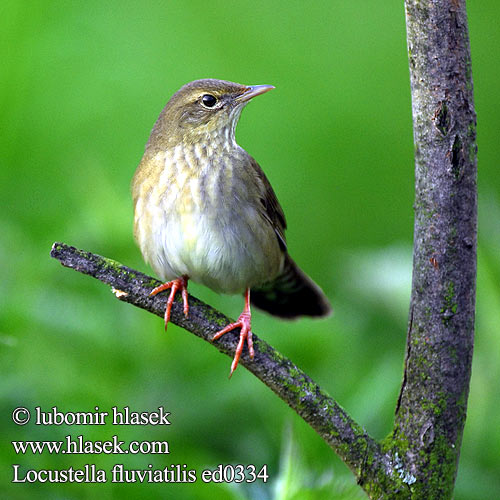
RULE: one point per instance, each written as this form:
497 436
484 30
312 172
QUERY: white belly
226 250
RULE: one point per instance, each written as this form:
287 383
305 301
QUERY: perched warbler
205 211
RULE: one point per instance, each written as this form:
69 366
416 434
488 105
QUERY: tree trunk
431 410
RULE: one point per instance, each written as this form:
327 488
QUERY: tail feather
291 294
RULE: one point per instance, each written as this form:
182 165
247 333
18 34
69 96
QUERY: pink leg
243 322
174 285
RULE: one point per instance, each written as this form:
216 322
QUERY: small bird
205 211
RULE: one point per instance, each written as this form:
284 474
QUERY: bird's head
202 110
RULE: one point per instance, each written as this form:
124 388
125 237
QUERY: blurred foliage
82 84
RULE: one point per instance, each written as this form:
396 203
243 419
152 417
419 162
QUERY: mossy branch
359 451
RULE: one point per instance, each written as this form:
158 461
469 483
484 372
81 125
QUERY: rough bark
431 410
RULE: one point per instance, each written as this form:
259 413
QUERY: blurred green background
82 85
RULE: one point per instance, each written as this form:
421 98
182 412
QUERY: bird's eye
208 100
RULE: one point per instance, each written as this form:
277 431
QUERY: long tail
291 294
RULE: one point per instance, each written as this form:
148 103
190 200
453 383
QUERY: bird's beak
252 91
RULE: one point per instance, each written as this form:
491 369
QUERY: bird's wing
272 208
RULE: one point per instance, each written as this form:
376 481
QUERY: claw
244 323
175 286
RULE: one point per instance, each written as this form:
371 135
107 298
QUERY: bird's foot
175 286
244 323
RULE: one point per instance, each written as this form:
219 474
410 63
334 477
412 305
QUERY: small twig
291 384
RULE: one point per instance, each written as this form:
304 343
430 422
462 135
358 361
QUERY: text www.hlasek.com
75 446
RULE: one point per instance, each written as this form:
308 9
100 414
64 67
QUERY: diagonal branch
359 451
